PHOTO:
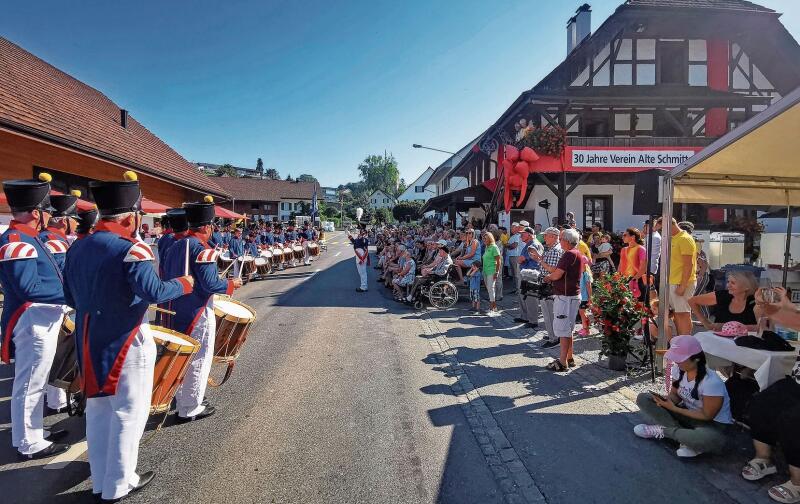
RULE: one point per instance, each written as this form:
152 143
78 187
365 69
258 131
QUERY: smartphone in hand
656 394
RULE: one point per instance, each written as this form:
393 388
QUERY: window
253 206
698 67
597 209
672 62
419 188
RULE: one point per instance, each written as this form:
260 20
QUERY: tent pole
787 253
663 294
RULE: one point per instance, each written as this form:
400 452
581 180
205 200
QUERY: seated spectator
697 411
469 255
404 277
737 303
774 414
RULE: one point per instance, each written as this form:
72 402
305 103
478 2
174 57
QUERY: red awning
491 184
151 207
227 214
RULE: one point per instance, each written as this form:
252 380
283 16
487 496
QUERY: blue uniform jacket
236 247
57 243
166 240
29 274
110 280
280 238
216 239
252 249
267 239
203 267
291 236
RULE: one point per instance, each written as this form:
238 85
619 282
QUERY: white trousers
189 396
35 340
306 255
115 424
362 270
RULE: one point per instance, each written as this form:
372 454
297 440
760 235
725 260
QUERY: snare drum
262 266
298 252
224 261
313 249
233 323
175 351
64 372
248 268
287 253
277 256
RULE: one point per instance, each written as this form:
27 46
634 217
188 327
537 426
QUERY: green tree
289 178
380 172
381 216
401 188
272 174
227 170
260 168
306 178
407 209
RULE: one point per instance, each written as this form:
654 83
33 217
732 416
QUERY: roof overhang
463 199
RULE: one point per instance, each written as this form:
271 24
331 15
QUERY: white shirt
711 386
655 250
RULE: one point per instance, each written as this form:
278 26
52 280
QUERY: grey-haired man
549 260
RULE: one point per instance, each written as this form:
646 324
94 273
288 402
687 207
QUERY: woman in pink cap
697 411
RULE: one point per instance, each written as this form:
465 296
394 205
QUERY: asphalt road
334 399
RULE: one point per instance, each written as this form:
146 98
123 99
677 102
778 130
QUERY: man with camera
528 303
565 278
549 261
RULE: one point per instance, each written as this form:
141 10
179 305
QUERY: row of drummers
105 352
263 251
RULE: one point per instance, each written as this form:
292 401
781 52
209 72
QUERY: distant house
268 199
420 189
211 170
330 195
379 199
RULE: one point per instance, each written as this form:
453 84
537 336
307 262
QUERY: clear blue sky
309 86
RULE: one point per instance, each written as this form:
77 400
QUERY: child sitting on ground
474 276
586 296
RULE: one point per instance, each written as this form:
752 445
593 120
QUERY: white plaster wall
622 203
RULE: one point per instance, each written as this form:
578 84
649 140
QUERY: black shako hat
113 198
65 205
177 220
165 224
27 195
86 220
200 213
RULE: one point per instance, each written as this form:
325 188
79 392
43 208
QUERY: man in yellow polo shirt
682 277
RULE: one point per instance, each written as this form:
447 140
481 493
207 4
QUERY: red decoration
529 155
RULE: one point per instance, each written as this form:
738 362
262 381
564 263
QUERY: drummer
86 220
110 280
236 250
58 234
194 314
216 240
33 310
251 246
308 236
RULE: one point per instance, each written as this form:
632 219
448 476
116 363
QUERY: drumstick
186 263
162 310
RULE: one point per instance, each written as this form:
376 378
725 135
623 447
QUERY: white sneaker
686 452
649 431
409 299
492 313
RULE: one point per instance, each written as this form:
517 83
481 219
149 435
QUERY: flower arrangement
616 312
547 140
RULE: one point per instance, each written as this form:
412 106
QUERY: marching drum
175 351
64 372
248 268
224 261
262 266
298 252
277 256
288 253
233 323
313 249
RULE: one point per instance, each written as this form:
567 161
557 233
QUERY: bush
616 313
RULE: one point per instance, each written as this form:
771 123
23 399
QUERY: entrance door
598 209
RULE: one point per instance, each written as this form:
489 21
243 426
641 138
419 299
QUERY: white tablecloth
769 366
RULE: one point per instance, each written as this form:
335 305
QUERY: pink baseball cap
732 329
683 347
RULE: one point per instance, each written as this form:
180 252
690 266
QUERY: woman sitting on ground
697 412
774 413
737 303
465 260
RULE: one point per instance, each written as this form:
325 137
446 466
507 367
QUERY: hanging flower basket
546 141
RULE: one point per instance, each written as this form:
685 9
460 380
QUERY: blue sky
309 86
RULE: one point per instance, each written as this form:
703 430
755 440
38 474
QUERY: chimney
579 27
123 118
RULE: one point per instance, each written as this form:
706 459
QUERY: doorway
598 209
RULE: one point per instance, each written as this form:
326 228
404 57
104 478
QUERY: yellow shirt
585 250
682 245
504 239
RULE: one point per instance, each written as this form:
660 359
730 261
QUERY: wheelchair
439 290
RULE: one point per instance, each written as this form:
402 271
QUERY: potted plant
616 313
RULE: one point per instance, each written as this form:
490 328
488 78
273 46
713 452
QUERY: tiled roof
740 5
267 190
38 97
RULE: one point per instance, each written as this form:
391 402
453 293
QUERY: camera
532 284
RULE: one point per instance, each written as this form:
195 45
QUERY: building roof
742 5
376 191
38 99
266 189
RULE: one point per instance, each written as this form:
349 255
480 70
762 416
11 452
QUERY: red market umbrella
151 207
227 214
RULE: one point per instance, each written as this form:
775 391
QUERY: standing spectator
498 285
602 259
548 260
682 277
654 250
586 298
570 221
492 261
539 235
513 250
504 237
474 274
566 279
528 306
633 261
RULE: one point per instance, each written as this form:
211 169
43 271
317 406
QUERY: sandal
556 366
571 362
788 493
758 468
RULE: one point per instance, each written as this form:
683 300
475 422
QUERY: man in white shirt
513 250
654 249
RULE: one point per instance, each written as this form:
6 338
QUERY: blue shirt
530 263
475 281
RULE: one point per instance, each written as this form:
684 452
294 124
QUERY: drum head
297 248
266 254
287 251
261 261
174 340
230 308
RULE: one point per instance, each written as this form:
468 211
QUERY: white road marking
337 254
4 399
68 456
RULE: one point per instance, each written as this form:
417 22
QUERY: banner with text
622 159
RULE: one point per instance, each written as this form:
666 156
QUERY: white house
379 199
420 189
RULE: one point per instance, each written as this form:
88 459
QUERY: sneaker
492 313
649 431
686 452
409 299
583 332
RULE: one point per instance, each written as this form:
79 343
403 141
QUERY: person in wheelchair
438 269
